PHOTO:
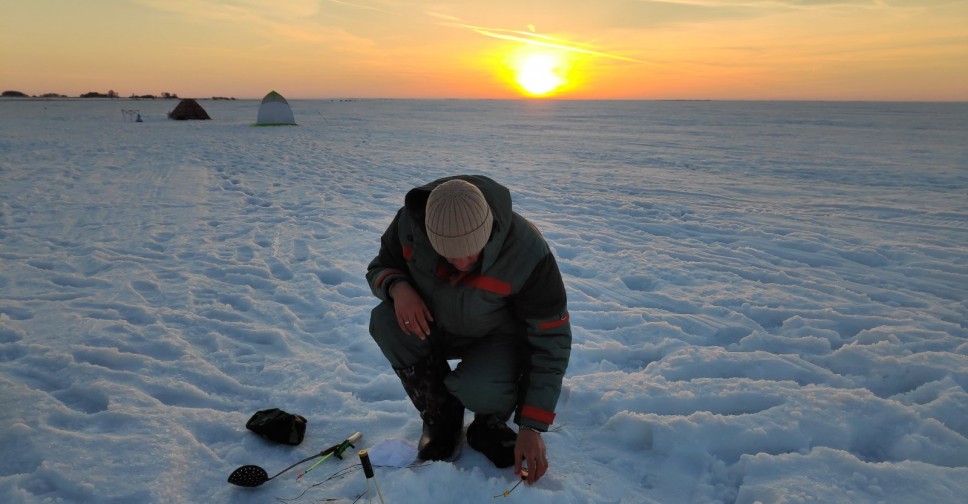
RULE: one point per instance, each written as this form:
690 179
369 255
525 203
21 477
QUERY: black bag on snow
277 425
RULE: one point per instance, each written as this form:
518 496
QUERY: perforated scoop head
249 476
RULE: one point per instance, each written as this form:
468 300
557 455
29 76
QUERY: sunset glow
611 49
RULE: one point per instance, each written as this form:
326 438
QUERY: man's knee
383 321
400 349
482 393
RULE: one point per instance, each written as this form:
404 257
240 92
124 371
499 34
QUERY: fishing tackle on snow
507 493
253 475
370 477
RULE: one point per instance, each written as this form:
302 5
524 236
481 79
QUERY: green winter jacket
516 286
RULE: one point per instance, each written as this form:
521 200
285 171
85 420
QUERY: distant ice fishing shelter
275 111
188 109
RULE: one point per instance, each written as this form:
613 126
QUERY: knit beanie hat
458 219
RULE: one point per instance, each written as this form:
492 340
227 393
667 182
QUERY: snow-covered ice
768 299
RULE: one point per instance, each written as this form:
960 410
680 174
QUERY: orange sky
602 49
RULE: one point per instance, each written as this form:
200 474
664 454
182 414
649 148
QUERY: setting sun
537 74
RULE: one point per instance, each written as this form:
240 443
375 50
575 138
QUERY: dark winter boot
442 413
490 435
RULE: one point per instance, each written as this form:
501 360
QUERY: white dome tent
275 111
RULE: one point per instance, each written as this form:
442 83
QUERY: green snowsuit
507 320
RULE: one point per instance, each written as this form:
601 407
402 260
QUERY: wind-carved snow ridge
768 299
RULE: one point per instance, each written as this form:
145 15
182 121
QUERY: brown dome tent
188 109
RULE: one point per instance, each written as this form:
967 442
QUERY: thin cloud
238 10
800 4
758 3
532 38
293 21
358 5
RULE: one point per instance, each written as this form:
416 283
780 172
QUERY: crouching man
461 276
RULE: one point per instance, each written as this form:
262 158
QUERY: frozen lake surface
768 299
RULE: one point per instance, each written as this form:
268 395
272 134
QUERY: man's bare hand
530 450
413 316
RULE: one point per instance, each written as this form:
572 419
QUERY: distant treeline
95 94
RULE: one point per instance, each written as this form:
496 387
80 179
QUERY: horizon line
526 99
